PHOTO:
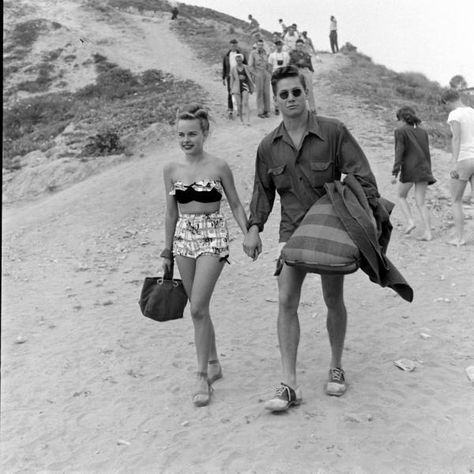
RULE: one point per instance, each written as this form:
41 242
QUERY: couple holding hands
196 234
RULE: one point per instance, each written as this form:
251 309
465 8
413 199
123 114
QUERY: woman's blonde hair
195 112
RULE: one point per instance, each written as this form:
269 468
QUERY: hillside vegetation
104 115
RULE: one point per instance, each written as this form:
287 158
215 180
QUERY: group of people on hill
299 160
245 73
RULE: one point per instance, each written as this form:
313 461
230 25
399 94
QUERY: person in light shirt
333 35
277 59
290 38
461 121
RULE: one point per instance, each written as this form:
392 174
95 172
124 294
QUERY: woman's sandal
202 398
214 371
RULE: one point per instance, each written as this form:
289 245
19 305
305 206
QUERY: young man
308 43
228 62
302 60
302 154
260 69
277 59
290 37
333 35
461 121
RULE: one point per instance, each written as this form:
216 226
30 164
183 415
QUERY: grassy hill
117 104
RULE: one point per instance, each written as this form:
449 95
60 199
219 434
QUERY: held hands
454 174
394 180
252 244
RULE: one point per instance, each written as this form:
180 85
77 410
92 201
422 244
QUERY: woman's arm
399 152
228 184
171 213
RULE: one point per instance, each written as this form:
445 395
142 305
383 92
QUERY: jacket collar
312 126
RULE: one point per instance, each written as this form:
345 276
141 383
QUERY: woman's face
239 60
191 137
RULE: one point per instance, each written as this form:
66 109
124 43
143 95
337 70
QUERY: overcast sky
435 37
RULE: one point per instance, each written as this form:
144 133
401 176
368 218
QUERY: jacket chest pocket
280 177
322 172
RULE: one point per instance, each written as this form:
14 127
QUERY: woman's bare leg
403 189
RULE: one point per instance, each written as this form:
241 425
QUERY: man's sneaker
336 385
285 397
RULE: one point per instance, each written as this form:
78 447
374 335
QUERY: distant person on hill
461 121
277 59
333 35
283 26
290 38
196 234
302 60
258 64
174 13
228 62
254 26
242 86
308 43
275 37
413 163
296 160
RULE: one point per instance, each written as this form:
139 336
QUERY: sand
90 385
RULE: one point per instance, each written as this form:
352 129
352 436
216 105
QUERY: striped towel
321 244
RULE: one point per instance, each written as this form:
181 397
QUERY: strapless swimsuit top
206 190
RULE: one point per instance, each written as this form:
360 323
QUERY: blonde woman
196 234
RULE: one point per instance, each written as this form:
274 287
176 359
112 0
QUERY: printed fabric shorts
201 234
465 169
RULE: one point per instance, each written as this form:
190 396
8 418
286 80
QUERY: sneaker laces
281 390
337 375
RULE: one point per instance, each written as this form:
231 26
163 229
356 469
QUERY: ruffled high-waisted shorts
201 234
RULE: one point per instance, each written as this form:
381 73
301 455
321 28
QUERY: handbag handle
168 274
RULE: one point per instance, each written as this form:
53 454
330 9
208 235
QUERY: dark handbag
163 298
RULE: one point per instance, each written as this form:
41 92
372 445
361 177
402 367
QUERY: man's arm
252 62
263 195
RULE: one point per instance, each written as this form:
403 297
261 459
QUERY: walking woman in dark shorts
196 234
413 164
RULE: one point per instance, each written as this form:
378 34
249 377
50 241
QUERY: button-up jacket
258 61
298 175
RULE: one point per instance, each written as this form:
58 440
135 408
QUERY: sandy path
95 387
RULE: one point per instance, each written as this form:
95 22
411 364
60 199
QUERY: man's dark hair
450 95
299 41
284 73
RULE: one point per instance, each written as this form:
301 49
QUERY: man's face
286 90
260 44
299 46
233 46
